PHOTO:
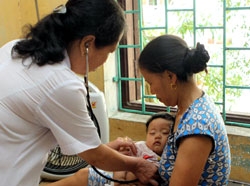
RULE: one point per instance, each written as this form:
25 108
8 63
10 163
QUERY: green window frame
133 93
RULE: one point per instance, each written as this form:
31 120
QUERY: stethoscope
94 119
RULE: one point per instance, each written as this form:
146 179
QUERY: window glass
224 29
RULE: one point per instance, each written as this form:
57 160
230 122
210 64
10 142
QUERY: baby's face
157 135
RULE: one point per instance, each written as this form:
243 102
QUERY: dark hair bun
196 59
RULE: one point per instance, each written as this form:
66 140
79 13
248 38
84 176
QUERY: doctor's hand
146 172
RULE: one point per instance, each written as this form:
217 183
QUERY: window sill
231 130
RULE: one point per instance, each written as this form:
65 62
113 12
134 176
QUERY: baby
158 128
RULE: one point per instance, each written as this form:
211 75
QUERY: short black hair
163 115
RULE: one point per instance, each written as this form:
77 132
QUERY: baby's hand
126 151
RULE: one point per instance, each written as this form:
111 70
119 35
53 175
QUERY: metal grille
191 23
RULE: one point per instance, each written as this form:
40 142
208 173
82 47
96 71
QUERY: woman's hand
112 160
146 172
124 145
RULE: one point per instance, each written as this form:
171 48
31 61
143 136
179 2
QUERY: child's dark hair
163 115
47 41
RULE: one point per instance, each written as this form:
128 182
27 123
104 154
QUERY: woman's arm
108 159
190 161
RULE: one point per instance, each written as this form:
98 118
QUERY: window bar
141 46
224 63
224 49
194 22
166 16
118 79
